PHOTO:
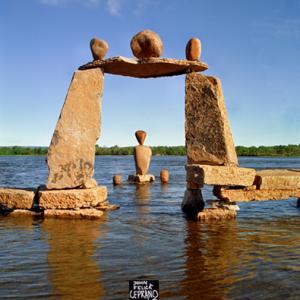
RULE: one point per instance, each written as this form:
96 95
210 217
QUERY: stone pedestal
73 198
141 178
16 198
71 154
216 214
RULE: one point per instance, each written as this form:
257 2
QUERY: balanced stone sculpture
98 48
146 44
142 157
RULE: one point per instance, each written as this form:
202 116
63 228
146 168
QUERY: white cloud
54 2
114 7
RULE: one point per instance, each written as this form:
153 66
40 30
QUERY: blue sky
252 45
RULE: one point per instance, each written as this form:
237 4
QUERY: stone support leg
71 154
207 131
192 202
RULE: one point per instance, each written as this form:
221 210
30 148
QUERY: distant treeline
281 150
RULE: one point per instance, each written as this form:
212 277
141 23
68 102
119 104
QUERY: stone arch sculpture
211 155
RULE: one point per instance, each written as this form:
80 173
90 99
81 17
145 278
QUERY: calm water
256 256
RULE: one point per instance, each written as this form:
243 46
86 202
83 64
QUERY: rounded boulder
146 44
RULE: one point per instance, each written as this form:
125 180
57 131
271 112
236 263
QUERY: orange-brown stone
164 176
117 179
146 44
152 67
193 49
141 136
98 48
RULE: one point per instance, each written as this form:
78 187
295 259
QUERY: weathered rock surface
219 175
216 214
98 48
71 153
193 49
141 178
192 202
153 67
16 198
252 195
72 198
207 130
88 213
146 44
278 179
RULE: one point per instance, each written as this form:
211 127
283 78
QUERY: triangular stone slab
207 130
71 154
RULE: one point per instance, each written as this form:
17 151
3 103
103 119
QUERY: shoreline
252 151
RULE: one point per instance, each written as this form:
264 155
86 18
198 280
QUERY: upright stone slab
207 130
71 154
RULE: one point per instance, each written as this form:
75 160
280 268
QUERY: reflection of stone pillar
71 154
211 254
74 273
142 198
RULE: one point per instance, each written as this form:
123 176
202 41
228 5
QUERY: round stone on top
193 49
146 44
141 136
98 48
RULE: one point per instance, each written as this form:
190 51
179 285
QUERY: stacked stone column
208 136
71 187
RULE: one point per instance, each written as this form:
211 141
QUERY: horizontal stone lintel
244 195
219 175
278 179
146 68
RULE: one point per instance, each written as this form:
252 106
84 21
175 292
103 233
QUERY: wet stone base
72 203
216 214
141 178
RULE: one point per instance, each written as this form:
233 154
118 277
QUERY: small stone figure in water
142 157
142 154
164 176
117 179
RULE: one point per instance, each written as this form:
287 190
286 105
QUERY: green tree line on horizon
280 150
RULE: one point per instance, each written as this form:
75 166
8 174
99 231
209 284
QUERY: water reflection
227 260
143 195
209 257
74 273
